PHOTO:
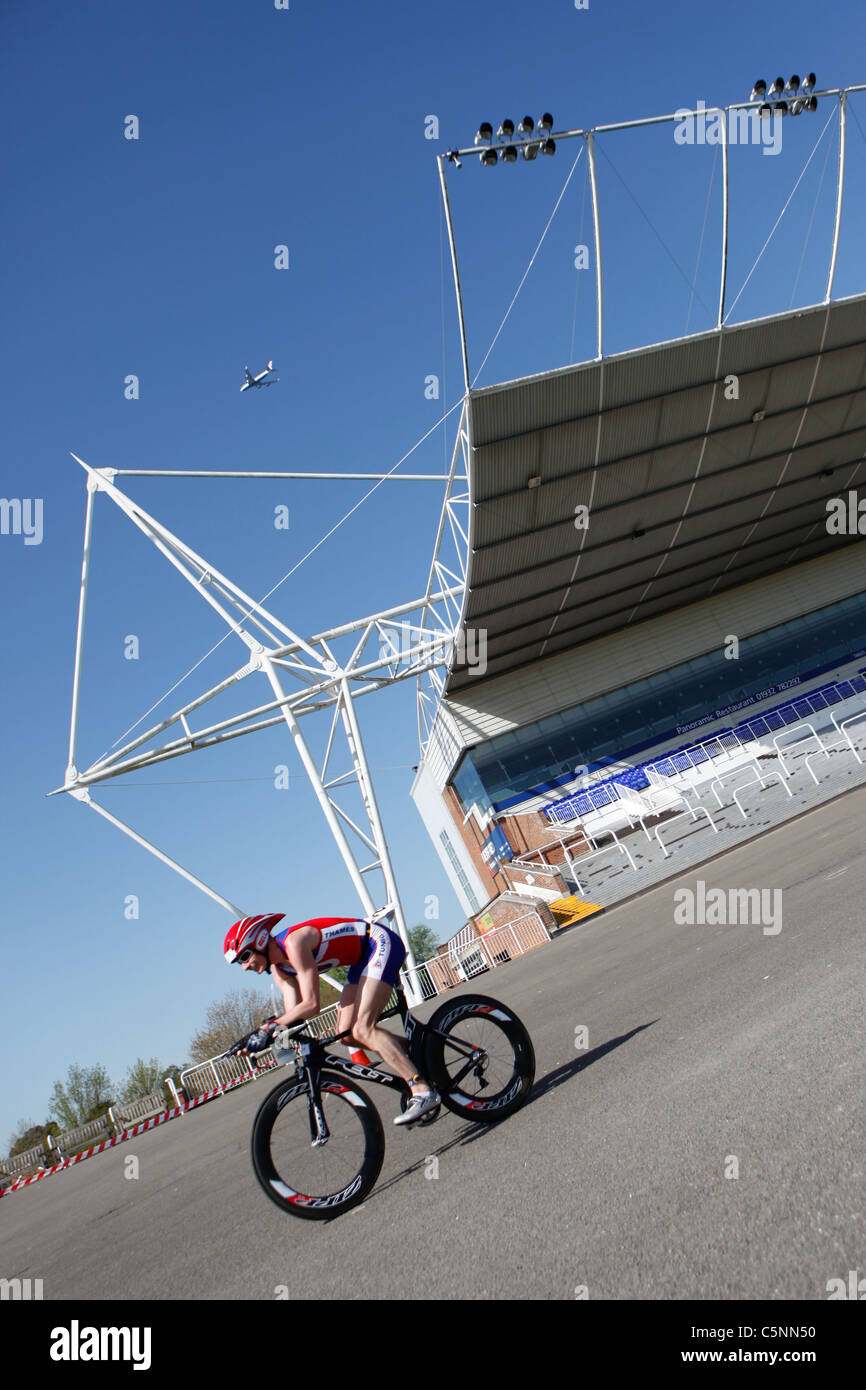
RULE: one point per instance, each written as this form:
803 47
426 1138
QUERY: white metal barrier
842 726
525 861
141 1109
693 813
757 776
36 1157
100 1128
744 786
218 1071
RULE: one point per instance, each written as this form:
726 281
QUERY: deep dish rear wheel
317 1181
486 1042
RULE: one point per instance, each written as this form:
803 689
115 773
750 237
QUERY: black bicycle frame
312 1057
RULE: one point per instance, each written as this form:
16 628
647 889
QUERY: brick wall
517 877
529 831
472 836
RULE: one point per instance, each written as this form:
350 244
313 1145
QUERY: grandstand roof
691 487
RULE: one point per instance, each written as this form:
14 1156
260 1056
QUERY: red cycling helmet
250 933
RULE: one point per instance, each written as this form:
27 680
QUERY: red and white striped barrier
126 1134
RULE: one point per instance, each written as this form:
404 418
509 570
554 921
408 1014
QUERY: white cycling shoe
418 1106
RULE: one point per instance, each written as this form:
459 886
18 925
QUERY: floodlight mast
487 151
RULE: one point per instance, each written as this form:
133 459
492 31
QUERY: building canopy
608 493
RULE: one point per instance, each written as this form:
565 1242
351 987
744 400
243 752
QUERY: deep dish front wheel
484 1065
317 1181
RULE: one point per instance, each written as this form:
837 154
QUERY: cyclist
296 955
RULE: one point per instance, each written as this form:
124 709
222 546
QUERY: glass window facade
618 724
458 869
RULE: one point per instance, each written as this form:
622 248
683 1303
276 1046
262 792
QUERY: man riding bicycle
296 955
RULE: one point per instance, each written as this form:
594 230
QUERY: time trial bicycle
317 1139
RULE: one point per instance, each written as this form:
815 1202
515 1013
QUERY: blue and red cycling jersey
341 941
370 948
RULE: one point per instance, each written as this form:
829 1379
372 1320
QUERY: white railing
218 1071
525 861
140 1109
96 1130
36 1157
726 744
497 946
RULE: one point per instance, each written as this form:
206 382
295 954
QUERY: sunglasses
245 955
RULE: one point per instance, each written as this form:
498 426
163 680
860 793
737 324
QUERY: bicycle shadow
543 1086
546 1084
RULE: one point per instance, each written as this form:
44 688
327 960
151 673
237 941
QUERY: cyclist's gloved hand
257 1042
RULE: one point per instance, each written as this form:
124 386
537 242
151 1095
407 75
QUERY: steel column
840 185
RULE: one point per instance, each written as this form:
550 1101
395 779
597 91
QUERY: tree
86 1096
145 1078
141 1079
227 1020
425 942
27 1135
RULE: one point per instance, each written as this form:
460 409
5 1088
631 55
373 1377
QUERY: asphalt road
706 1044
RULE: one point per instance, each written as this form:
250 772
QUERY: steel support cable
286 576
853 113
703 230
811 221
782 213
368 494
659 238
529 267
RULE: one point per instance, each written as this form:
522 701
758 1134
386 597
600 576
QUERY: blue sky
307 128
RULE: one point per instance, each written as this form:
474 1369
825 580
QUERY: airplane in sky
260 379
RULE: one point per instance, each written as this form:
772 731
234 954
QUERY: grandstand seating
680 768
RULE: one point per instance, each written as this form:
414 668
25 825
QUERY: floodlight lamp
792 85
812 104
506 130
781 107
765 110
489 158
509 154
809 82
526 127
759 90
485 133
529 151
549 147
778 87
797 106
546 122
